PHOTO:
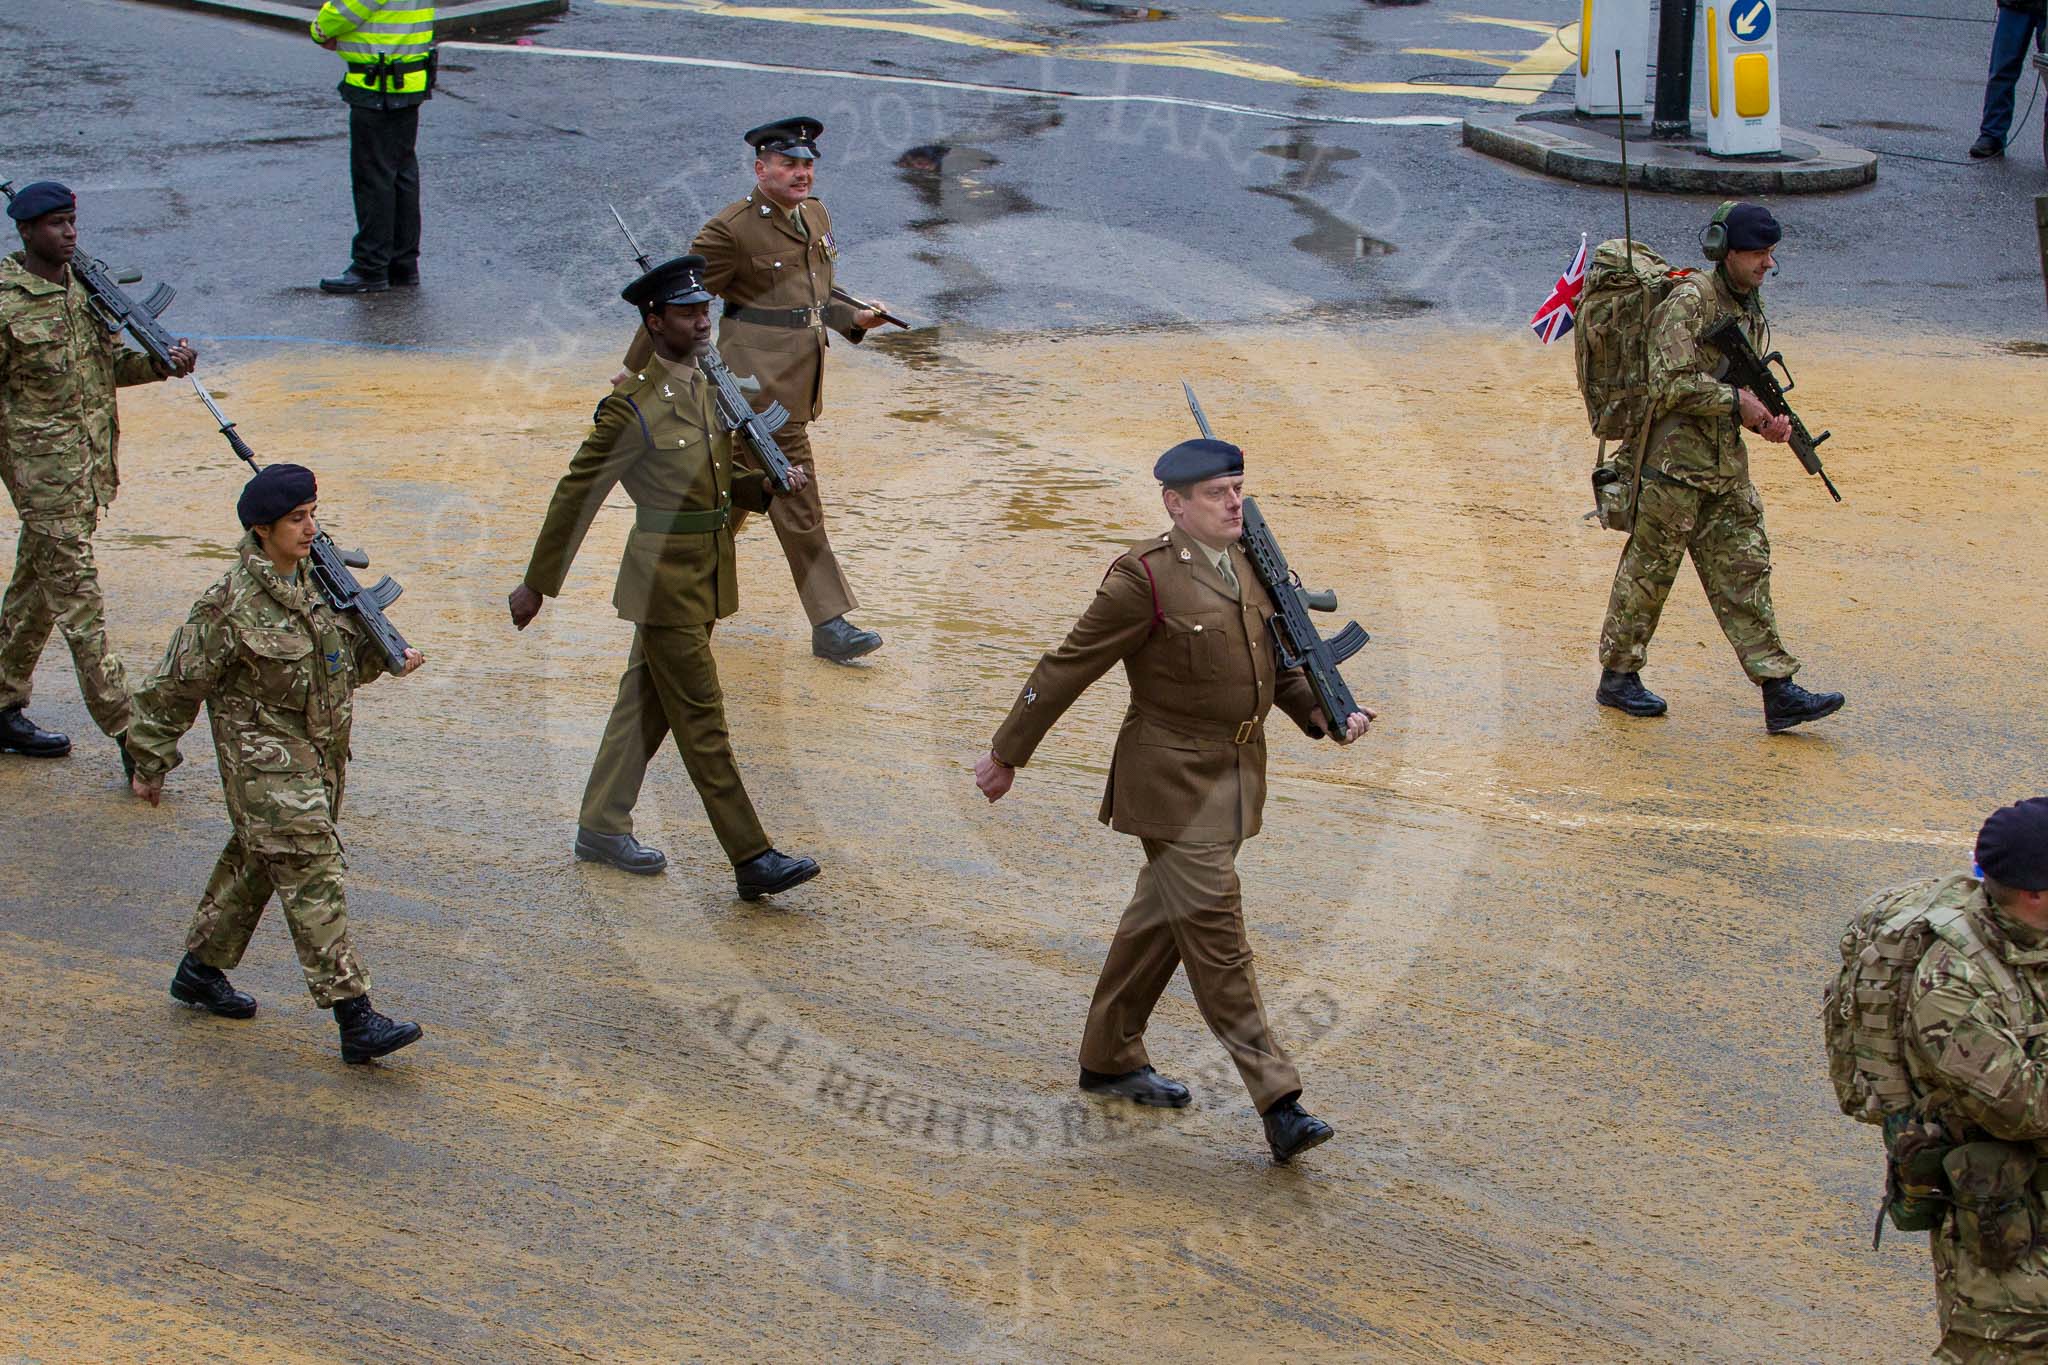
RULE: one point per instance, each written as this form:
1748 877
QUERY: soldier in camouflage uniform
277 670
1974 1055
1695 494
59 432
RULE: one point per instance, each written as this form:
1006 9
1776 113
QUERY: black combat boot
841 641
622 851
19 735
772 872
206 988
1292 1130
1787 704
366 1033
354 281
1143 1086
1625 692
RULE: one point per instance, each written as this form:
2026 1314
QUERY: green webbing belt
677 521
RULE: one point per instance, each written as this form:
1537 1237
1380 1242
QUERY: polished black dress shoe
366 1034
1292 1130
622 851
404 279
1625 692
841 641
772 872
206 988
1987 146
1787 704
1143 1086
353 281
19 735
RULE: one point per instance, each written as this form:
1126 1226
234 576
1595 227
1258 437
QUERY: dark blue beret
1751 228
2013 845
1194 461
793 137
33 201
678 281
274 492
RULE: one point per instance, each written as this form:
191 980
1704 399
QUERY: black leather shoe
353 281
1143 1086
841 641
1787 704
404 279
1625 692
19 735
622 851
772 872
206 988
366 1034
1292 1130
1987 146
127 759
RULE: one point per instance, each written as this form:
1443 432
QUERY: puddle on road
1312 161
1116 13
949 180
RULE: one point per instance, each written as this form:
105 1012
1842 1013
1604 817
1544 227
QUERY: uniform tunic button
1198 627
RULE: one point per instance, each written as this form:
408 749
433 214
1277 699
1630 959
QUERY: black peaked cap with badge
1195 461
793 137
672 283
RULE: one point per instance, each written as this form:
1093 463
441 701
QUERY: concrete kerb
1559 141
450 21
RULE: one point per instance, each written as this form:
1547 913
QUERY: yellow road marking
1526 80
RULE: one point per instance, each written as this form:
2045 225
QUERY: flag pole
1628 232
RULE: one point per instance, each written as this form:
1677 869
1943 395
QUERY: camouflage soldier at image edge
277 671
1974 1058
1187 616
771 257
1696 496
59 446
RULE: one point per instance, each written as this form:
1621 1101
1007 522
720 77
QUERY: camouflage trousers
1958 1349
1724 534
56 585
315 909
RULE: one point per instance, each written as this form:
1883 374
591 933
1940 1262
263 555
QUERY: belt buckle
814 316
1245 732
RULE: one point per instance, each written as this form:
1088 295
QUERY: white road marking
1032 92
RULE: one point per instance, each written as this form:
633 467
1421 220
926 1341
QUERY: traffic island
1562 142
469 17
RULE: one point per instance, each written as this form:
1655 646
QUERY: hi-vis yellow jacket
386 44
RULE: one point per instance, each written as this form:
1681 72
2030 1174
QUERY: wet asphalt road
213 154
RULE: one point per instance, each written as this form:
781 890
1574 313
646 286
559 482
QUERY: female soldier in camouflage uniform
276 668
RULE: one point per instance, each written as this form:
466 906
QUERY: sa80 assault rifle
109 303
1301 644
332 565
734 410
1748 370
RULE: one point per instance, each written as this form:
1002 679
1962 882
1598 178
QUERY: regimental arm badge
1030 695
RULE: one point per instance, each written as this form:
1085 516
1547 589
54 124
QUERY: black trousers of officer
386 175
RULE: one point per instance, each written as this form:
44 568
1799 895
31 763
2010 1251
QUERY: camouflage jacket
1697 438
58 371
1989 1071
277 670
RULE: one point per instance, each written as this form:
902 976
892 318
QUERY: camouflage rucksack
1864 1011
1611 334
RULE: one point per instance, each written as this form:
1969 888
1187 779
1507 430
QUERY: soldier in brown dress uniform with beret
770 256
1187 617
659 435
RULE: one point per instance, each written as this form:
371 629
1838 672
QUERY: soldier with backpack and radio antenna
1649 380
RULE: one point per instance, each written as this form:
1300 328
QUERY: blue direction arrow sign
1749 20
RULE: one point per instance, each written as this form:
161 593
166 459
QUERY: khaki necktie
1229 574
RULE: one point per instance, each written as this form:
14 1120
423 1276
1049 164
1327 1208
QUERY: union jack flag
1554 316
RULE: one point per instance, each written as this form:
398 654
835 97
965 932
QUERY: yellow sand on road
1552 974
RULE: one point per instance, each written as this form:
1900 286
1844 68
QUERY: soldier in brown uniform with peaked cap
770 256
659 435
1187 617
